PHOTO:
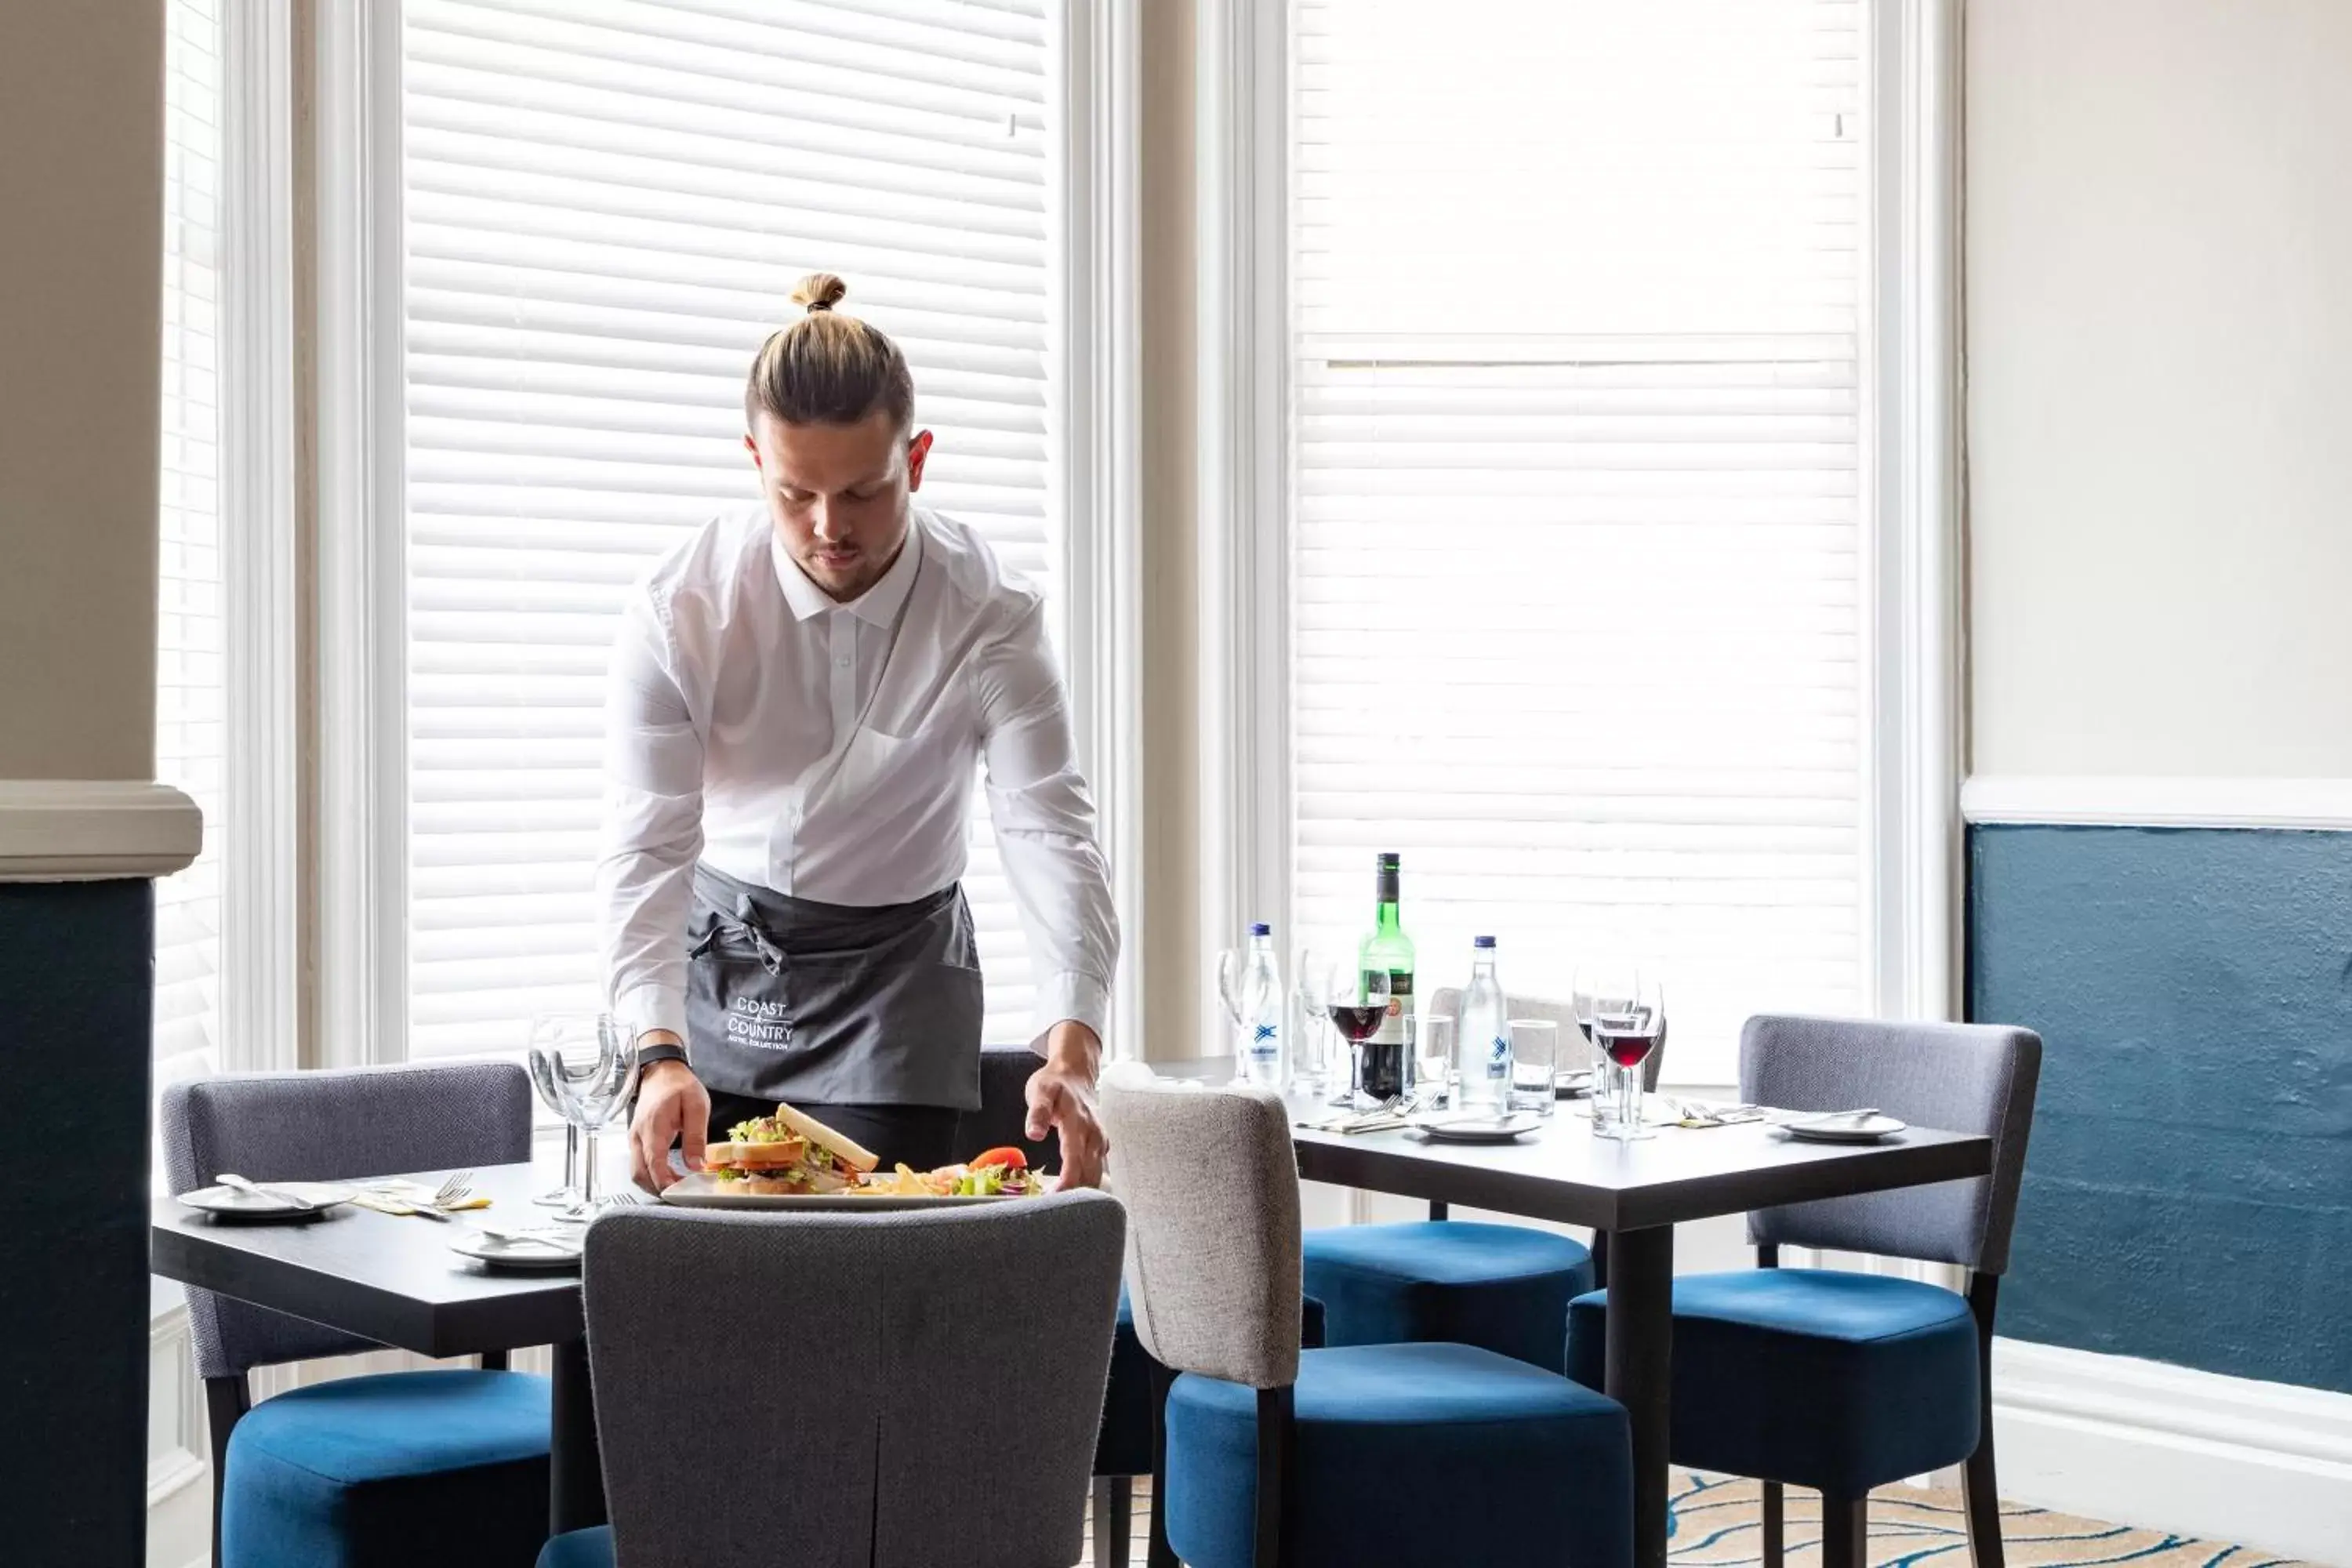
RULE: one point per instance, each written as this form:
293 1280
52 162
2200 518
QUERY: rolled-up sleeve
1044 820
652 823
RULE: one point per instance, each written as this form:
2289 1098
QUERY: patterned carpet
1716 1523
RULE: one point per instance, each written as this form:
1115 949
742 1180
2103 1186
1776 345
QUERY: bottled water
1255 1002
1482 1037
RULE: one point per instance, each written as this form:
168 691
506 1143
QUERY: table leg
1640 1372
576 1470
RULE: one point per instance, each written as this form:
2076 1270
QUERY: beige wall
82 103
1171 577
2159 279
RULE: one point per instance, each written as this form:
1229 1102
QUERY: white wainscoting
2265 1464
179 1480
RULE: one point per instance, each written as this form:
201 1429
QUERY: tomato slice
1012 1159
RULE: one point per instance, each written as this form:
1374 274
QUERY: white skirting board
2263 1465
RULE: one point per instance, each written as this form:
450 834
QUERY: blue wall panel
2189 1191
76 983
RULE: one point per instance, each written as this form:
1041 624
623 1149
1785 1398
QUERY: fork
453 1190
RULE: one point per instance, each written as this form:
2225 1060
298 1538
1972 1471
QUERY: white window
1581 546
605 205
190 682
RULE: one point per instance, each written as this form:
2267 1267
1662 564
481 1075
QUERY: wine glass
1588 981
589 1078
562 1034
1310 1068
1359 1009
1628 1015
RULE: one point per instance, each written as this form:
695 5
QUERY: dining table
392 1278
1632 1194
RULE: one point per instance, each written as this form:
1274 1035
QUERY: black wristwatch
664 1051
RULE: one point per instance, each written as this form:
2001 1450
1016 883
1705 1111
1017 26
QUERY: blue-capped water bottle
1249 981
1482 1037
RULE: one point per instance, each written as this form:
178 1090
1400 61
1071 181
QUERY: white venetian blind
1578 538
190 747
607 203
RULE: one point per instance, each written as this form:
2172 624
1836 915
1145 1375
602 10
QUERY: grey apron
790 999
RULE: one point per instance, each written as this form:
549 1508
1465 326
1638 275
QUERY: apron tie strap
747 926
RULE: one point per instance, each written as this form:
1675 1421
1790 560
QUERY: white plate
1847 1130
702 1189
494 1252
1464 1127
235 1202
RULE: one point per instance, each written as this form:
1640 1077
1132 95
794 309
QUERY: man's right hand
672 1108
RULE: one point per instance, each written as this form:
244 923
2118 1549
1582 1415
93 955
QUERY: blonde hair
828 369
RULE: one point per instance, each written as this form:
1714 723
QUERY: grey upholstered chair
451 1464
1840 1380
1268 1454
911 1389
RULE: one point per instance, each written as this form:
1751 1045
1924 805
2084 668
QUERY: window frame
362 837
1910 475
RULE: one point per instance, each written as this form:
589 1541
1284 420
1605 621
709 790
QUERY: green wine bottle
1388 951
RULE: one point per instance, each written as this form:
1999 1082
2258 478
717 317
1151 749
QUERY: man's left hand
1062 1098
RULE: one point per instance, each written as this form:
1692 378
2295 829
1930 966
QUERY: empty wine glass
588 1079
1311 1064
571 1034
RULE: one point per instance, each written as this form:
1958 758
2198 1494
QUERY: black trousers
923 1136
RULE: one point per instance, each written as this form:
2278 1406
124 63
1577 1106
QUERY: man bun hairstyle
827 368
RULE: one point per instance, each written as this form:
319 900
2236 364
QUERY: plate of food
793 1160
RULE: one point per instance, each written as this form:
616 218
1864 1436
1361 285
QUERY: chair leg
1776 1539
227 1401
1277 1429
1980 1491
1114 1505
1845 1531
1160 1554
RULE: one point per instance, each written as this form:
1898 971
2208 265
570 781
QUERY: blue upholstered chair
1502 1287
945 1419
1843 1382
1359 1455
442 1466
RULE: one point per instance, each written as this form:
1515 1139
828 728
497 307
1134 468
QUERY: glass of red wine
1356 1003
1628 1016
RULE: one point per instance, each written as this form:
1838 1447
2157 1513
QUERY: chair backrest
1960 1077
1211 1184
323 1127
890 1390
1446 1001
1003 1114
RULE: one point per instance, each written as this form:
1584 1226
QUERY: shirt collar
878 606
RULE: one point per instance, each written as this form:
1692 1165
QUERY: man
798 702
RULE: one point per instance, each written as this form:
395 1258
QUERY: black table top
388 1278
1562 1172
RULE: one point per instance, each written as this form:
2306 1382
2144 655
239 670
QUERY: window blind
189 693
607 203
1579 547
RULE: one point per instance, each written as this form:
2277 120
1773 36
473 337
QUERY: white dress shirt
733 735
